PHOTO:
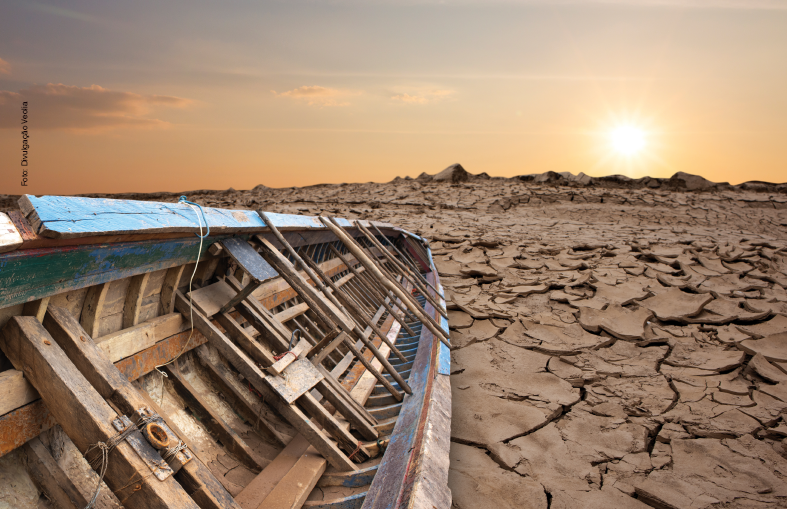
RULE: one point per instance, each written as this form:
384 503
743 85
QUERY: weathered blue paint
71 216
31 274
356 479
351 502
288 221
443 360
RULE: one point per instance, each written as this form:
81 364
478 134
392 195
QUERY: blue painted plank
73 216
70 217
443 360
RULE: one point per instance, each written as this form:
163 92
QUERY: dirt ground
613 346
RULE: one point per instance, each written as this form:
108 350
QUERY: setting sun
627 140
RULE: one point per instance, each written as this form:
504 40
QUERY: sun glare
627 140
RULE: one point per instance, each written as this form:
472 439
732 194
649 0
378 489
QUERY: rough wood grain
85 416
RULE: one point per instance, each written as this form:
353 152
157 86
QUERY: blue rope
183 199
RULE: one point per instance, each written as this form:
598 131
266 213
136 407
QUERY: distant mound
680 181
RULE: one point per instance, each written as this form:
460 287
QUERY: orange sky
181 96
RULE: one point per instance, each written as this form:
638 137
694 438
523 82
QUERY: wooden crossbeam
114 387
50 478
85 416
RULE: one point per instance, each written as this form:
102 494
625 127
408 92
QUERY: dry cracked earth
612 347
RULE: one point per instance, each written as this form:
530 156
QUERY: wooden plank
127 342
212 420
261 486
248 259
93 308
257 351
23 424
257 379
27 275
144 362
36 308
279 366
333 394
298 379
15 391
134 295
292 312
50 478
294 488
10 238
340 432
127 400
85 416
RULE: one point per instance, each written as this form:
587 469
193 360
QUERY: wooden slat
85 416
22 424
144 362
50 478
261 486
292 312
168 287
69 217
294 488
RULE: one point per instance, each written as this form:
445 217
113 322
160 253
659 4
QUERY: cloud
5 67
58 106
315 95
422 97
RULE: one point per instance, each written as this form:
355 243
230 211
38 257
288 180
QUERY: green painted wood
28 275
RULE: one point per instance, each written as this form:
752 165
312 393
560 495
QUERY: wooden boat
163 355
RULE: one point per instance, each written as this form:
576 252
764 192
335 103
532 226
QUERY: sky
172 96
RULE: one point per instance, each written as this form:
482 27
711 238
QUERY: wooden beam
293 489
91 362
85 416
10 238
50 478
144 362
23 424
